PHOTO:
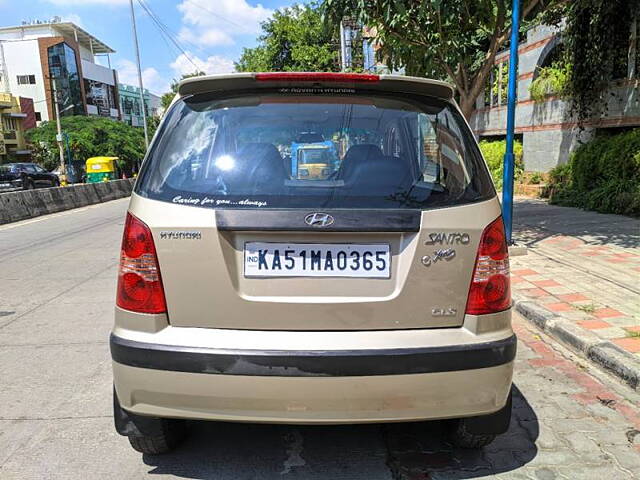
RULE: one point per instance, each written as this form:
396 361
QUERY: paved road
57 286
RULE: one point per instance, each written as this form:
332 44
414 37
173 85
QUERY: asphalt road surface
57 283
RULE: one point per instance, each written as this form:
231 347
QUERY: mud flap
130 424
492 424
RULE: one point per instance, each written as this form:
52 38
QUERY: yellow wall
10 127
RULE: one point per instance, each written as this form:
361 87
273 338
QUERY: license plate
316 260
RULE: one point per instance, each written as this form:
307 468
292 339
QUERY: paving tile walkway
584 266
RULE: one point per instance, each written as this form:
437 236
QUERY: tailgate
205 284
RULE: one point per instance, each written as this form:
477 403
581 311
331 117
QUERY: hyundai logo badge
318 219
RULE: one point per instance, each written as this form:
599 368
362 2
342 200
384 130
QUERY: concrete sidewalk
580 281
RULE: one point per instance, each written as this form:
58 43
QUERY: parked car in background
25 176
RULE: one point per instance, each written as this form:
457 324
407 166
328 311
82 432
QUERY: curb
601 352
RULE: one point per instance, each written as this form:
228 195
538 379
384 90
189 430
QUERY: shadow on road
420 450
393 451
535 220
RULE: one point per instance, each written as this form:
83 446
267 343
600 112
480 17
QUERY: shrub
602 175
493 153
551 81
536 178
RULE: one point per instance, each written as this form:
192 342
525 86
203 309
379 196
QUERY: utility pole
59 127
509 159
135 44
343 48
4 72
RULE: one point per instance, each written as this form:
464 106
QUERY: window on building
38 116
495 93
127 104
136 107
63 68
100 95
26 79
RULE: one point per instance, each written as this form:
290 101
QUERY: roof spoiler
243 81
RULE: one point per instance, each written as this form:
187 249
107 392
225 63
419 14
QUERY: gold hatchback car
247 293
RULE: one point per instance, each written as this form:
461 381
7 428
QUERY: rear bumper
328 386
325 363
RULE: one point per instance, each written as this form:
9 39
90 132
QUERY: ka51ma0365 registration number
316 260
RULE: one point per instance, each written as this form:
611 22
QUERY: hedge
602 175
493 153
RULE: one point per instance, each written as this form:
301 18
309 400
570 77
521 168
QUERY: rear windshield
275 150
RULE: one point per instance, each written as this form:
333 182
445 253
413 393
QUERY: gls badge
444 312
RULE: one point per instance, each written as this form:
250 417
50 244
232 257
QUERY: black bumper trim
340 363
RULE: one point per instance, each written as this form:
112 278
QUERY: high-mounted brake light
490 289
139 282
317 77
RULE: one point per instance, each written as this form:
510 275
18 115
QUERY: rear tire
173 433
28 185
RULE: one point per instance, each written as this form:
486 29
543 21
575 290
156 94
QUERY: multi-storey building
131 107
16 116
38 58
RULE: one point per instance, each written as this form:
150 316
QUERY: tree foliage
167 98
293 39
90 137
456 40
596 43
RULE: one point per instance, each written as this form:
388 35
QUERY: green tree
152 125
293 39
90 137
167 98
456 40
597 43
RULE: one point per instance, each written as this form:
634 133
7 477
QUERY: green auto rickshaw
101 169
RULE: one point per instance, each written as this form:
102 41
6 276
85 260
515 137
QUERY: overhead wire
166 32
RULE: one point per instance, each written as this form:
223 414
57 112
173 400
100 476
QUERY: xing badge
445 254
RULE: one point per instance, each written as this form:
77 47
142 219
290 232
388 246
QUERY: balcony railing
10 135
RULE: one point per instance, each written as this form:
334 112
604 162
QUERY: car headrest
358 154
265 167
363 152
386 175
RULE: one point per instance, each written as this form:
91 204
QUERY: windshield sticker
317 90
216 202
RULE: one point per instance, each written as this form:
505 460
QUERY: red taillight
139 282
316 77
490 289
